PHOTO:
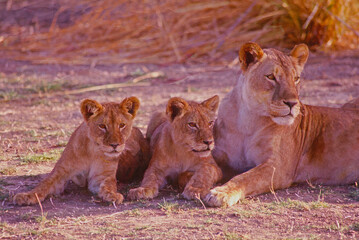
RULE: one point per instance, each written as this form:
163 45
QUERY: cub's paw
194 193
25 199
142 193
221 197
112 197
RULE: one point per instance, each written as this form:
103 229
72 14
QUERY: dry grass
118 31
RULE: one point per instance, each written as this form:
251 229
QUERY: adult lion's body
265 133
92 154
181 141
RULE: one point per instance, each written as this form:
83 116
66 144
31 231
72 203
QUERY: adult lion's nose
290 104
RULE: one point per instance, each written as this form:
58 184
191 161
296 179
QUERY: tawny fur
89 159
134 159
180 142
268 136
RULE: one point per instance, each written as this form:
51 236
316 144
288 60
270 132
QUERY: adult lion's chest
244 151
257 148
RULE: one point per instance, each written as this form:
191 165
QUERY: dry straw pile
167 31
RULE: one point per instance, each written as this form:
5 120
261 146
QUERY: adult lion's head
270 81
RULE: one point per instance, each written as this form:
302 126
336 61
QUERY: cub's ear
90 108
130 105
211 103
249 53
176 107
300 53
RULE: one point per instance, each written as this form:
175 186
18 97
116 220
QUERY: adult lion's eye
271 77
122 125
192 125
211 123
296 80
102 127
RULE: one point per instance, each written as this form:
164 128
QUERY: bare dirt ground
37 117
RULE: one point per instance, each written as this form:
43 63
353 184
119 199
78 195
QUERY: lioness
264 132
181 142
93 152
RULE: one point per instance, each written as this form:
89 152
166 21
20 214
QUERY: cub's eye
211 123
271 77
102 127
122 125
192 125
296 80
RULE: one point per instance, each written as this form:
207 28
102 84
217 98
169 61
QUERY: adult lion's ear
176 107
211 103
90 108
249 53
130 105
300 53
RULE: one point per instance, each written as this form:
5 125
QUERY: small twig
100 87
42 210
310 184
52 203
148 76
338 225
54 20
320 195
197 196
181 80
94 88
311 15
211 234
114 204
340 20
272 186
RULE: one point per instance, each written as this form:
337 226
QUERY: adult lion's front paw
221 197
142 193
194 193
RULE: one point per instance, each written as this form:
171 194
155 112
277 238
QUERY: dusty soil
37 117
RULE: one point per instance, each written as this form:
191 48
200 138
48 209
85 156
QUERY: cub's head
271 81
192 124
110 124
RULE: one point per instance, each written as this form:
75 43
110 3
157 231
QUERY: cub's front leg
108 191
102 181
202 181
54 183
154 178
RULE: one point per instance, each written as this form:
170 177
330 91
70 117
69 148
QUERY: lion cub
92 154
181 142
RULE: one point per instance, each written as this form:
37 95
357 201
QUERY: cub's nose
114 145
290 104
208 142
